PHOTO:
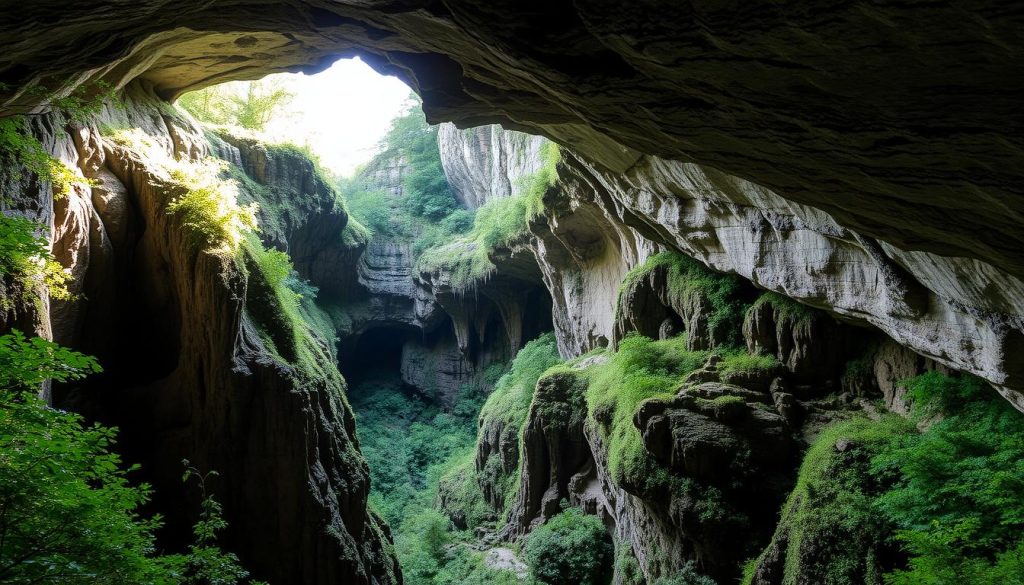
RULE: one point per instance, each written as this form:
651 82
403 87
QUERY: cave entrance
377 355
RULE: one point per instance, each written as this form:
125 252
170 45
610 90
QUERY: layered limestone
487 162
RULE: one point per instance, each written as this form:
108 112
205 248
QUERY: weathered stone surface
959 312
884 174
487 162
188 376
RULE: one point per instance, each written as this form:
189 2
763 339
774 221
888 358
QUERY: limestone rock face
958 312
189 376
839 156
487 162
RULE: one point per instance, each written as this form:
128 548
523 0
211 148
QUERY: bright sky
341 113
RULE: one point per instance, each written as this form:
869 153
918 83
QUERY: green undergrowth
784 308
422 473
21 150
686 277
293 328
508 406
639 370
70 513
509 403
884 502
571 548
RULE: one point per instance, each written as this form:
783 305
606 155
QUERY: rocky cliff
199 361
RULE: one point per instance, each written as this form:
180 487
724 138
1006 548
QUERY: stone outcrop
486 162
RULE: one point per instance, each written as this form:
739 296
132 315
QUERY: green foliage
27 363
68 514
640 369
18 148
784 307
206 563
208 206
687 277
293 327
427 211
688 575
832 532
510 400
572 548
466 260
250 105
25 257
373 210
958 493
509 404
951 496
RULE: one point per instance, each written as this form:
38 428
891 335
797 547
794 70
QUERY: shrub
68 514
25 256
958 493
18 148
571 548
208 206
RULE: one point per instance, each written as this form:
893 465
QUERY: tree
250 105
572 548
68 514
67 511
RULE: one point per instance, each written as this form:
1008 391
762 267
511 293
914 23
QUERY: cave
715 288
377 351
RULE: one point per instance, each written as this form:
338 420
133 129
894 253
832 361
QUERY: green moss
641 369
282 306
785 308
510 400
738 361
499 222
686 277
830 531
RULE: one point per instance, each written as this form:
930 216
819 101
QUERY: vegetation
642 369
686 277
784 307
250 105
25 257
509 404
572 548
427 210
208 206
422 466
68 514
419 455
958 492
510 400
19 149
466 260
951 497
